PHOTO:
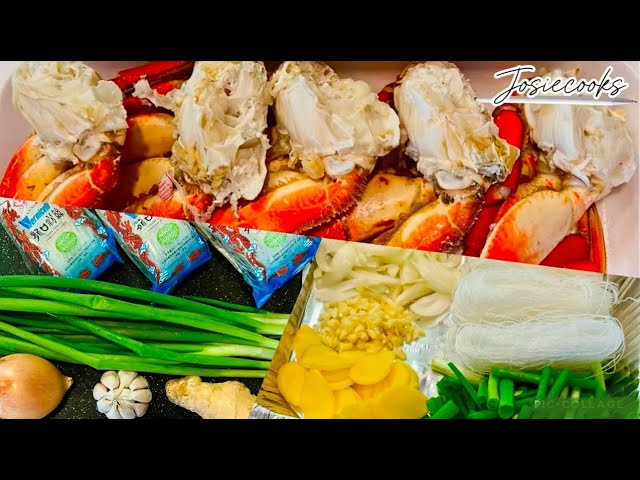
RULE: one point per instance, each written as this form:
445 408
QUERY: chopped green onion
505 406
559 384
441 366
434 404
483 415
545 379
483 390
448 410
492 391
516 375
599 375
525 413
465 383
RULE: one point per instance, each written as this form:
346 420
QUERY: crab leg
583 250
542 181
491 214
511 128
29 172
297 206
153 72
149 135
532 228
387 199
135 105
85 187
137 180
438 227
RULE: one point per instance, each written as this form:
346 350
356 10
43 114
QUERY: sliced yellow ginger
211 400
401 402
366 392
414 379
337 375
338 379
345 398
317 398
341 385
322 358
399 376
290 382
362 411
305 337
351 356
372 368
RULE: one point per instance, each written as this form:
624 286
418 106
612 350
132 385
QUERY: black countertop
217 279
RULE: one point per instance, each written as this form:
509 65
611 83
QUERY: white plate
619 212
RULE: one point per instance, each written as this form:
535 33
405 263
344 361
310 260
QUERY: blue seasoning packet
266 260
60 241
167 251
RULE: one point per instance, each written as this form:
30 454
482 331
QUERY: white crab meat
71 109
452 137
331 124
590 142
221 118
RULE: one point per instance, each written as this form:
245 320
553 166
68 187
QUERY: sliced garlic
122 395
431 305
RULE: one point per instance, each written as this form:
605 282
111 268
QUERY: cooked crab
79 122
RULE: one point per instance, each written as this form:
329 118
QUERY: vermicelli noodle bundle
563 341
506 293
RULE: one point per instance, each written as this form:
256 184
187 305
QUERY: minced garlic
367 323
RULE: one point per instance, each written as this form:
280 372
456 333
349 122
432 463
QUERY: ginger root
211 400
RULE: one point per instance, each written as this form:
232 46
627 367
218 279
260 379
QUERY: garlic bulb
122 395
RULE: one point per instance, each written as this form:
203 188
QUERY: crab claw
387 199
298 206
149 135
137 180
542 181
30 172
437 227
535 225
85 185
32 176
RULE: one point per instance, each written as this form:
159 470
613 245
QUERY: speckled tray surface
217 279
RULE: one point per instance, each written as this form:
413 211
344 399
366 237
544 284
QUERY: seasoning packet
60 241
166 251
266 260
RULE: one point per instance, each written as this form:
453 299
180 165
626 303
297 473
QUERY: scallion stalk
448 410
483 415
559 384
149 351
107 307
505 406
131 293
483 390
545 379
219 349
493 395
126 362
441 366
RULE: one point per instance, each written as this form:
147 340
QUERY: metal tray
270 404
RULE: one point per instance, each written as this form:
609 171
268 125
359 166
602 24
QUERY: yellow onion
30 387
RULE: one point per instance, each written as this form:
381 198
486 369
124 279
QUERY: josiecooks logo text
531 87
